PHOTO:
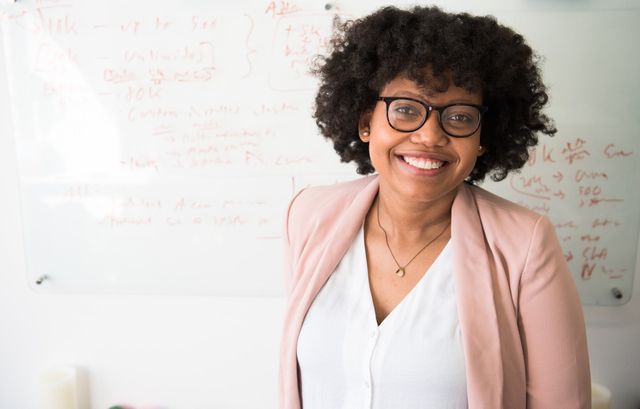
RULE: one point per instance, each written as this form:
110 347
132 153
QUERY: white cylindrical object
59 388
600 396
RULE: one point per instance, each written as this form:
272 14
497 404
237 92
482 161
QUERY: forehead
402 85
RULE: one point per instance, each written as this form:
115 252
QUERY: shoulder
325 201
498 210
336 191
506 228
317 206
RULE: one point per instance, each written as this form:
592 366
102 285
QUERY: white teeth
423 163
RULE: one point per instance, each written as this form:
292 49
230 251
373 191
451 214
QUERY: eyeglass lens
456 120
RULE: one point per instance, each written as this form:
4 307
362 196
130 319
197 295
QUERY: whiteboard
159 142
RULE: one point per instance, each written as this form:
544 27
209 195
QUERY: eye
406 110
461 116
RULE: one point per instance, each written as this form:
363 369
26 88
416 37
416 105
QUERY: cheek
378 152
469 155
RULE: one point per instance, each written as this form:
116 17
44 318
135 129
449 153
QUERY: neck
412 220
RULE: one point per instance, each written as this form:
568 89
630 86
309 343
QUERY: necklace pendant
400 272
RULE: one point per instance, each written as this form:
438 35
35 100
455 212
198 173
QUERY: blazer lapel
335 245
473 277
338 242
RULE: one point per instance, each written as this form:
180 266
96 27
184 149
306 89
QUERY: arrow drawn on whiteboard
249 49
557 176
559 194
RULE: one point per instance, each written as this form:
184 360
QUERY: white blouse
413 359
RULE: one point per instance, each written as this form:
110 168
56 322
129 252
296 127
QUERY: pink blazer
520 315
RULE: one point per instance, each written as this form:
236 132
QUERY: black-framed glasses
456 120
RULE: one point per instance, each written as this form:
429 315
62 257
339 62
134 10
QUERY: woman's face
424 165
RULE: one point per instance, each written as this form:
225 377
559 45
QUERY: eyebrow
424 92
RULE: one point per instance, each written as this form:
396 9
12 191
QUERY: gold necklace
400 272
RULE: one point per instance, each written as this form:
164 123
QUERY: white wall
178 352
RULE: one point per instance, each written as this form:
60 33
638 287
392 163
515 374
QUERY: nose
430 133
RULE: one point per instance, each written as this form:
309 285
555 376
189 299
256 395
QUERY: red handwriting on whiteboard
566 225
300 42
7 16
589 238
574 151
117 76
214 110
139 164
159 76
541 207
184 204
610 151
112 220
590 196
162 25
545 155
56 25
587 270
604 223
281 8
558 176
613 273
253 158
591 253
136 114
131 26
196 163
532 186
283 107
203 24
283 160
141 93
581 175
166 131
200 53
559 194
589 190
595 201
569 256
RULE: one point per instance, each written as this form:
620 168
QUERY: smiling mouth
422 163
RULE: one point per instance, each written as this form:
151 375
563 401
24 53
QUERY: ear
364 128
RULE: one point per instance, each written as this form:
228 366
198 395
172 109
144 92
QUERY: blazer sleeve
552 328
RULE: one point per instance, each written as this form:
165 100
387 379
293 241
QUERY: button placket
368 381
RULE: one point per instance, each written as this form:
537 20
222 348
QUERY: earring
365 133
480 147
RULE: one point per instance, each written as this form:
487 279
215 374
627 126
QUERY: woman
414 288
